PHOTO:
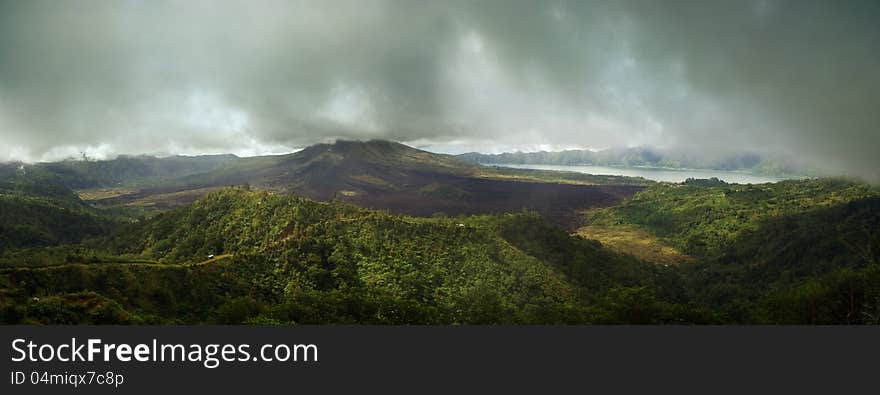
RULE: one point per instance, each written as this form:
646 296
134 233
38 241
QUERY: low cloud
105 78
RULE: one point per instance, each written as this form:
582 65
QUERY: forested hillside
702 251
239 256
701 217
37 210
790 252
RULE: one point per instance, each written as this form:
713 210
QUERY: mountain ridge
644 156
386 175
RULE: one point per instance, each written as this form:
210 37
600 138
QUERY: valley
381 233
661 174
387 176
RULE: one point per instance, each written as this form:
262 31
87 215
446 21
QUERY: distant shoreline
649 171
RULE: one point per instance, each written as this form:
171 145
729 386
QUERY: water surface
655 173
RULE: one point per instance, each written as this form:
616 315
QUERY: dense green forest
790 252
37 210
288 260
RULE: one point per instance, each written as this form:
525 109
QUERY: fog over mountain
103 78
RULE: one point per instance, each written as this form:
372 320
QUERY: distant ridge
641 156
132 170
373 174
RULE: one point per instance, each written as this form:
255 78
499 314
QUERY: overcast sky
256 77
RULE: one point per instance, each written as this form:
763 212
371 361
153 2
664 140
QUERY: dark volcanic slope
433 192
398 178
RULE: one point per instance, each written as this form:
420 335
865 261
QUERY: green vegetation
698 252
294 260
636 242
37 210
701 217
790 252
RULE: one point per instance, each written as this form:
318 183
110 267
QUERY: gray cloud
104 77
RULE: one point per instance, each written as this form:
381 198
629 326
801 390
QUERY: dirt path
214 259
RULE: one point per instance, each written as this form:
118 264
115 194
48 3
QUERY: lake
655 173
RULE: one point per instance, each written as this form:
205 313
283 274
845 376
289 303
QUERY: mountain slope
701 218
793 252
801 251
293 260
128 171
402 179
36 209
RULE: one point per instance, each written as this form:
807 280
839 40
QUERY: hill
791 252
702 218
37 210
394 177
130 171
293 260
804 251
702 251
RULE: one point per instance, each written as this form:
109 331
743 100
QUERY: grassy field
636 242
93 194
